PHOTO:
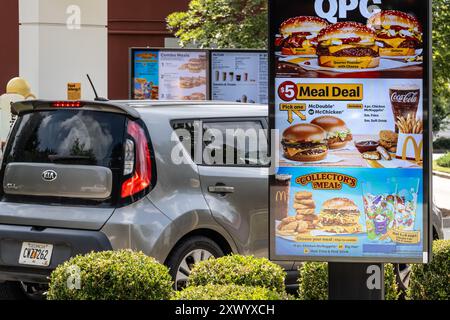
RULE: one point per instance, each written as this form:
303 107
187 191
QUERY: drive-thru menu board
163 74
240 76
349 96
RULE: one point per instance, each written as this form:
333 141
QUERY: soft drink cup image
379 208
406 203
404 101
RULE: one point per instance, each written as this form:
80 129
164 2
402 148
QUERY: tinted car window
68 137
234 143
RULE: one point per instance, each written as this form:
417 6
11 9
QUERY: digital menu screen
240 76
162 74
145 80
349 93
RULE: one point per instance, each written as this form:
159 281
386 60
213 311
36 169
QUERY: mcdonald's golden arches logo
281 196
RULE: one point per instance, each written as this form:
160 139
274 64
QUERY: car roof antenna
97 98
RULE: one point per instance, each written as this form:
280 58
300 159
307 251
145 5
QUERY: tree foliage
441 63
222 23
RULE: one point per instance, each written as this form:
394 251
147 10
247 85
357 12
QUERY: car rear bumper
66 244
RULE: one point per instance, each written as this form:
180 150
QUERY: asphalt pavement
441 192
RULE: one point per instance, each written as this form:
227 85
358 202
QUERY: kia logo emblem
49 175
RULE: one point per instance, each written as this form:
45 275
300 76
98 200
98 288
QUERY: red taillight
67 104
142 175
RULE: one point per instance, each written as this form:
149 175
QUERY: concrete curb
441 174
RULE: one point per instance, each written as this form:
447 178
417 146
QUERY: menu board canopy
350 95
239 75
169 74
191 74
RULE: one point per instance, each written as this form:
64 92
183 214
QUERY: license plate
36 254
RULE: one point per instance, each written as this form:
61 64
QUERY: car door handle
220 189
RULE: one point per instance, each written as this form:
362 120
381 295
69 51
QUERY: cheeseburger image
299 35
347 45
186 82
398 33
305 142
340 215
338 135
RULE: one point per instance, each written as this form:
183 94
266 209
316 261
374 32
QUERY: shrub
227 292
238 270
442 143
432 281
391 289
313 281
112 275
444 161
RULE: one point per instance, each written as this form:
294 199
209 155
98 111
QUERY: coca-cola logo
409 97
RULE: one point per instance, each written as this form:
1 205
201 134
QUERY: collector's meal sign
349 97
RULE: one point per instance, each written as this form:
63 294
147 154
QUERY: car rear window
68 137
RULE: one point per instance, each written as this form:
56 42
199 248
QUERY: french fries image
409 125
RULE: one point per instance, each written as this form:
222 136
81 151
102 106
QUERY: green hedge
227 292
112 275
238 270
391 289
444 161
313 282
432 281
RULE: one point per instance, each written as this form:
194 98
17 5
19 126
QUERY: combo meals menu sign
349 96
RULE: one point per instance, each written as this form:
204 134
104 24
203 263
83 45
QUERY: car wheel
11 291
186 254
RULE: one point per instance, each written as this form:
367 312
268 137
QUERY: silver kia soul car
88 176
78 177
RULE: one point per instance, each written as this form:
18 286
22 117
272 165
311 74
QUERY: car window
68 137
185 133
234 143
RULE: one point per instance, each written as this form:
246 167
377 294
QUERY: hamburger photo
305 143
349 45
186 82
299 35
339 215
338 135
397 33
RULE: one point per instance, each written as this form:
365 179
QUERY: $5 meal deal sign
349 97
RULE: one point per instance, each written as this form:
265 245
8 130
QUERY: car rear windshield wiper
57 158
